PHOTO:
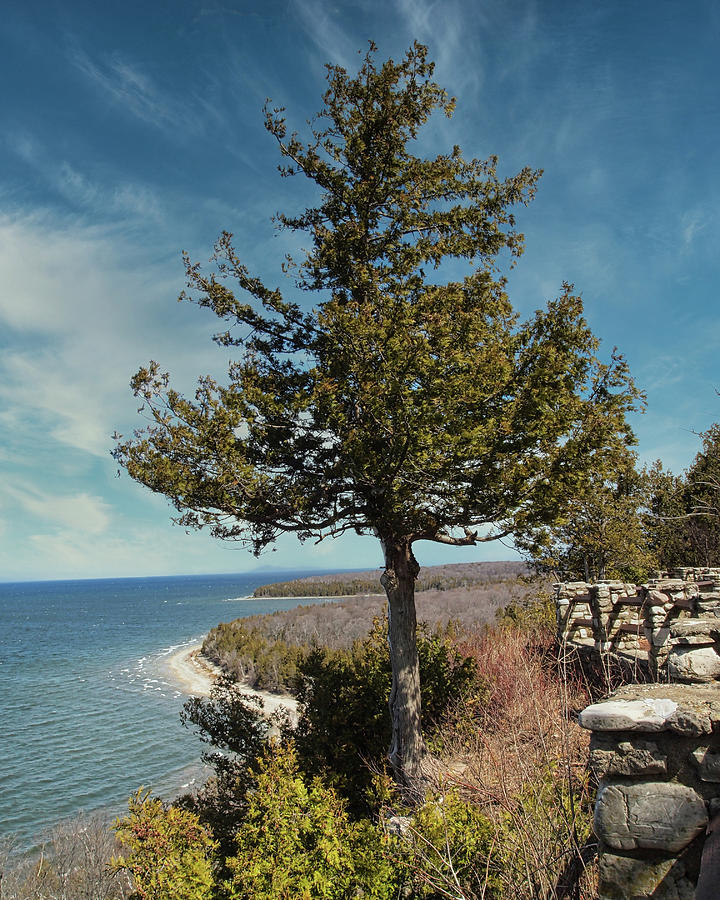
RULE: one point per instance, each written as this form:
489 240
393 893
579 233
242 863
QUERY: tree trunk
408 754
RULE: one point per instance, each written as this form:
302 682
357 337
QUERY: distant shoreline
196 676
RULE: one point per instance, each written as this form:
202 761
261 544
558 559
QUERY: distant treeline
266 651
432 578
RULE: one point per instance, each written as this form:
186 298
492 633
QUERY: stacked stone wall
655 750
672 623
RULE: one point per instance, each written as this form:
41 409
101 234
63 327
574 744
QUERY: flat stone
693 627
628 715
701 664
625 878
708 763
690 722
694 640
651 815
660 636
637 757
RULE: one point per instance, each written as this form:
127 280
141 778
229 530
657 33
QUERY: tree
602 533
410 403
683 511
702 502
665 517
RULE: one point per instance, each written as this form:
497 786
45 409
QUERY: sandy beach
196 675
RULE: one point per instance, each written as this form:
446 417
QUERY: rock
693 627
649 714
651 815
690 722
398 825
660 636
698 705
695 640
697 632
708 763
692 664
628 758
623 878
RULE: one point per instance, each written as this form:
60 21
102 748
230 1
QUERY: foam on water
90 708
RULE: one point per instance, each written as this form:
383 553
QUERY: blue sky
133 131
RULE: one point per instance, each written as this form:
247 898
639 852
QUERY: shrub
344 729
296 842
170 851
451 849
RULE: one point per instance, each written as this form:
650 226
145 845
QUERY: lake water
90 711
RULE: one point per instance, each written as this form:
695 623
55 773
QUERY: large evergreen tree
410 402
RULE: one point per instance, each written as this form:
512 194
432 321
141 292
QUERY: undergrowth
313 813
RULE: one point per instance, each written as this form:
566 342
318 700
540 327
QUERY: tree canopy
684 510
409 402
603 532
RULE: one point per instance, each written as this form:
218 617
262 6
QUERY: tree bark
408 753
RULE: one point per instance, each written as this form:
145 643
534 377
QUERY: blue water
89 708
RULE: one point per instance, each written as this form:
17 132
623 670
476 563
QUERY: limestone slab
647 714
701 664
635 757
624 878
654 815
708 763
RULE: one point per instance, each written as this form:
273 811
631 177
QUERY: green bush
296 842
170 851
449 850
344 729
235 729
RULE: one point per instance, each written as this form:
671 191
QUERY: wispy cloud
693 223
321 23
114 198
80 512
132 89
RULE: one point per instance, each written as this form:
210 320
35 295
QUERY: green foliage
250 657
403 404
169 851
234 727
665 517
296 842
542 833
535 613
701 498
450 847
345 728
602 533
683 512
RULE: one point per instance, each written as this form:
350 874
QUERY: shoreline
195 675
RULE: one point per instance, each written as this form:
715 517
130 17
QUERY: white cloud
693 223
81 513
86 308
119 198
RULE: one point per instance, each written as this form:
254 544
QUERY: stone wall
655 749
671 624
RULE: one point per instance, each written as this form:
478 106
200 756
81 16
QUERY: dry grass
522 760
